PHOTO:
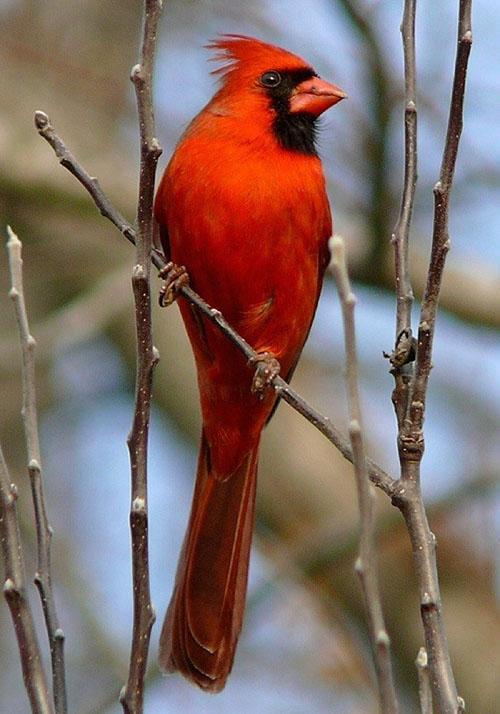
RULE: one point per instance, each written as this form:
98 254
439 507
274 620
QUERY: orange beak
314 96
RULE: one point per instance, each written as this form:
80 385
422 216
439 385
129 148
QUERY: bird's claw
266 368
175 277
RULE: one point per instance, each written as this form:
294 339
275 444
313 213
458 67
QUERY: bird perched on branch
243 206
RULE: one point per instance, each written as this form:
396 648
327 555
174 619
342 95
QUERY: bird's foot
175 277
266 368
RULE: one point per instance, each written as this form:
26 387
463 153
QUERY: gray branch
400 237
43 577
410 393
440 237
14 590
366 563
402 357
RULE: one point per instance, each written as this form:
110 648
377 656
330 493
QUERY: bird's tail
205 614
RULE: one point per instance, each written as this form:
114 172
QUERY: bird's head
264 83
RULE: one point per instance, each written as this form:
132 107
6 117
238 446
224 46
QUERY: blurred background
303 647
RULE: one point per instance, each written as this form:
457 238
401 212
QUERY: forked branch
410 393
43 576
14 590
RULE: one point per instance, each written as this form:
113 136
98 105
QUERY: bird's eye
270 79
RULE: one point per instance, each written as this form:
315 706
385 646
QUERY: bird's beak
314 96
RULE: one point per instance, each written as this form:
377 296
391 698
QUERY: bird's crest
236 52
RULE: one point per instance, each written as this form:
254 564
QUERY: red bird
243 206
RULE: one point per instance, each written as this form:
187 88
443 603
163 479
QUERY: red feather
250 220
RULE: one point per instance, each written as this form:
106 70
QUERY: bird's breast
250 226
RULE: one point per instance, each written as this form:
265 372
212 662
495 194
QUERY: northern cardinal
242 205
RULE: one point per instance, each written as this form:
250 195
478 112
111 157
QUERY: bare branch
404 293
440 237
43 578
365 566
410 406
132 695
379 477
404 351
14 591
69 162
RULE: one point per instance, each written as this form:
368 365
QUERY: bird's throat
296 132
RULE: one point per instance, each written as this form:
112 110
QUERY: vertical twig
403 355
43 578
366 561
410 411
14 591
440 237
404 293
132 695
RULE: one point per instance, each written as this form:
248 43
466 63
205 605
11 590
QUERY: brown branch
378 476
410 410
440 237
132 694
404 293
403 355
14 591
365 566
43 578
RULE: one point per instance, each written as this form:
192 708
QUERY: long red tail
205 614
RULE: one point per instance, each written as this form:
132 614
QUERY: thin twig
379 477
440 237
404 293
43 577
14 590
366 562
407 495
403 355
132 694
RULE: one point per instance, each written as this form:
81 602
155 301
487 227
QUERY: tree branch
410 406
379 477
43 578
132 695
440 237
366 562
14 591
404 293
404 351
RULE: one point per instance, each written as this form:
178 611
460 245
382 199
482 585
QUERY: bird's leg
174 277
266 368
